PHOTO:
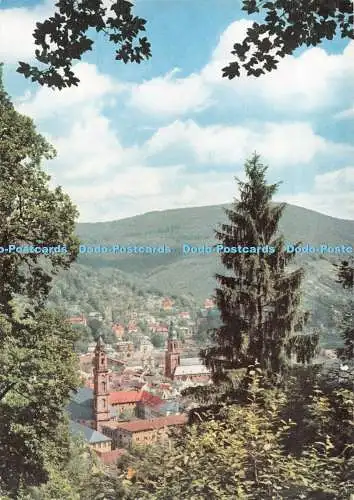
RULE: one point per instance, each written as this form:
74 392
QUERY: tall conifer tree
259 298
345 277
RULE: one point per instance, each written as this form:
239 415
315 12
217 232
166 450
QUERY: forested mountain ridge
193 275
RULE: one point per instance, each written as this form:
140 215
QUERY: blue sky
171 132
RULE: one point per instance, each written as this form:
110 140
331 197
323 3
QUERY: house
184 315
167 304
142 432
145 346
95 439
125 348
101 444
95 315
159 328
77 320
118 330
132 327
209 304
186 331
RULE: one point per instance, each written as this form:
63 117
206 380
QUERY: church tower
101 388
172 355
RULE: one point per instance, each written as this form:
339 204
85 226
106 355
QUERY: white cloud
221 56
135 181
310 81
90 149
151 189
109 181
346 113
47 103
281 144
169 95
17 26
332 194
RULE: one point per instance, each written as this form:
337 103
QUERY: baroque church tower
172 355
101 386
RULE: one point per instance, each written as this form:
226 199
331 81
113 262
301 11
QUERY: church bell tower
172 355
101 386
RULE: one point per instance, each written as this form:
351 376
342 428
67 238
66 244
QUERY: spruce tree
345 277
260 298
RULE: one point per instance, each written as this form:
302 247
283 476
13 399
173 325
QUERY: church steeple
172 355
101 389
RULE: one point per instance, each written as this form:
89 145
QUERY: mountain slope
193 274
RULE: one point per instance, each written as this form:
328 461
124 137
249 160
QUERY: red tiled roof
157 423
121 397
76 319
110 457
150 400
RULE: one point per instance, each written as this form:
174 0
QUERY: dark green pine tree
346 274
259 299
346 324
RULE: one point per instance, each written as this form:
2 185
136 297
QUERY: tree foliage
286 26
241 453
31 213
259 298
345 275
38 367
346 328
63 38
39 370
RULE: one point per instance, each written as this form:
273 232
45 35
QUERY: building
125 348
172 355
167 304
149 406
96 315
101 444
142 432
209 304
192 370
159 328
77 320
187 369
125 402
132 327
118 330
95 413
145 345
101 385
95 439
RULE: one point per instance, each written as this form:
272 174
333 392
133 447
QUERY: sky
171 132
